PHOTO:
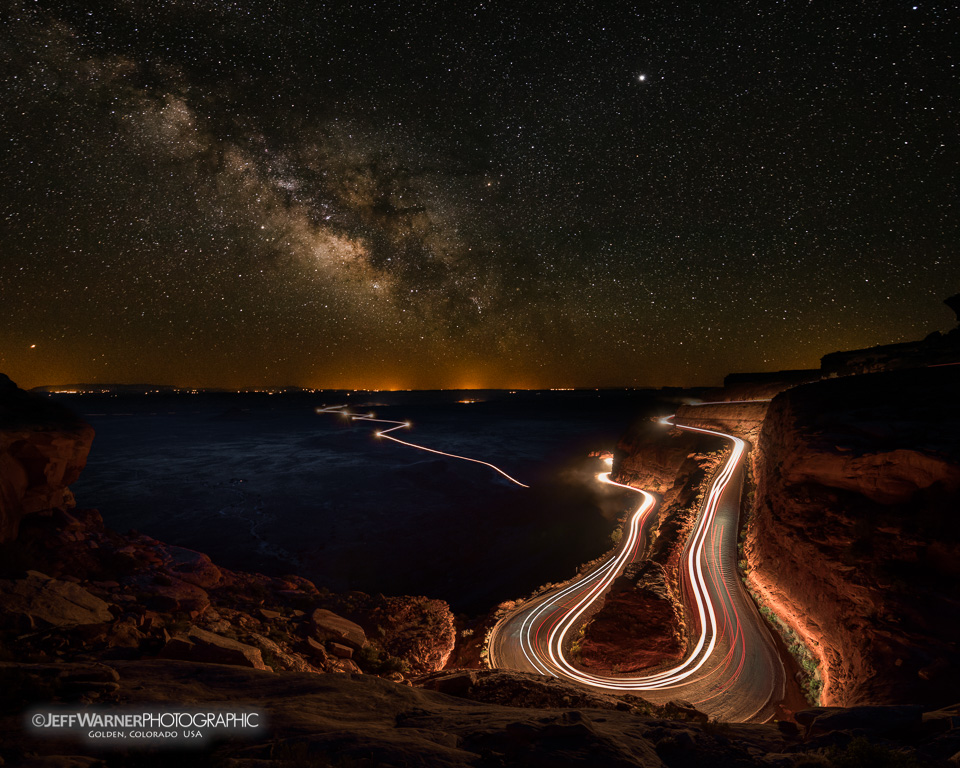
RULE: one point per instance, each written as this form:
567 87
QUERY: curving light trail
587 595
538 637
342 409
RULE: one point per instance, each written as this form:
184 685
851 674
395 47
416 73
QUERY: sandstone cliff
741 419
761 385
651 456
856 539
43 448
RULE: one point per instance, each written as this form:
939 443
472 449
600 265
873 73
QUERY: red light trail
732 669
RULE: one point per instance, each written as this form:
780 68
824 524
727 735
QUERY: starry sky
417 194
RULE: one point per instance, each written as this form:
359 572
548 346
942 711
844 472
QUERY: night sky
470 194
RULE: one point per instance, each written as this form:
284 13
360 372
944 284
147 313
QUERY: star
474 230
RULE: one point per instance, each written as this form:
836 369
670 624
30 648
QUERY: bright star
641 78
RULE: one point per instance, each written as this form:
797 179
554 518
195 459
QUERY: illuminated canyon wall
856 539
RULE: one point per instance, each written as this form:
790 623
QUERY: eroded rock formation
856 539
761 385
43 448
740 419
652 455
474 719
151 598
639 626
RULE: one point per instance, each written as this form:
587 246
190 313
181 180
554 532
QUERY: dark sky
518 194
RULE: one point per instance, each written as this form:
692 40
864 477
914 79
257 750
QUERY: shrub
862 753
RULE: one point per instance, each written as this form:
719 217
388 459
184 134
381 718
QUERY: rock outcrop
418 630
741 419
37 601
199 645
762 385
130 596
43 448
856 539
651 456
641 623
480 719
936 349
326 625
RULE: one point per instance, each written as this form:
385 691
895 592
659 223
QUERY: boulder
688 711
456 684
193 567
169 594
125 634
279 659
341 651
329 626
940 720
208 648
313 649
38 600
345 665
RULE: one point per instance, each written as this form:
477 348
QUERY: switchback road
732 671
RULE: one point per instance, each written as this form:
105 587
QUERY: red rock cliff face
740 419
650 456
43 449
856 538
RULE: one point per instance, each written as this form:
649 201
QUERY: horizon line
93 387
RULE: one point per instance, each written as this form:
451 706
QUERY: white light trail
575 600
342 409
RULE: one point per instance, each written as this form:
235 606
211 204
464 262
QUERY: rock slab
39 601
209 648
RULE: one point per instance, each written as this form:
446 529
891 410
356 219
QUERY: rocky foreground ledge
363 720
79 591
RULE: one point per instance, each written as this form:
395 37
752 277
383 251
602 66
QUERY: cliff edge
856 540
43 449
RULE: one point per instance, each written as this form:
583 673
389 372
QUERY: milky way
464 194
